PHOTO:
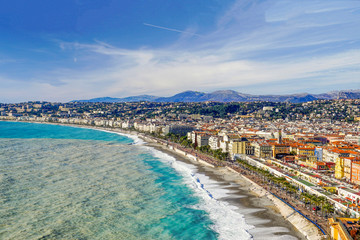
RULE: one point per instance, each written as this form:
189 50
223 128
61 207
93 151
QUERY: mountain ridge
232 96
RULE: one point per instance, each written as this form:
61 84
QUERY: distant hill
139 98
188 96
232 96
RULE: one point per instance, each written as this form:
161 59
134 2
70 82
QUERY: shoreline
299 223
258 212
261 203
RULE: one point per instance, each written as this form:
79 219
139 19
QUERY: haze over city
66 50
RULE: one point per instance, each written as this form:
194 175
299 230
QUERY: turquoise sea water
60 182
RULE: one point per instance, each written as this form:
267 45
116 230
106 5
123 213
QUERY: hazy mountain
294 98
187 96
102 99
344 94
227 96
233 96
139 98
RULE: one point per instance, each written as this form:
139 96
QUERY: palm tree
321 201
306 197
328 208
314 201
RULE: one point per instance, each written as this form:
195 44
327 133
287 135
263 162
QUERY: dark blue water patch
186 222
34 130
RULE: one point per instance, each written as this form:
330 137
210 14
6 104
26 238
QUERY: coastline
258 210
254 202
300 224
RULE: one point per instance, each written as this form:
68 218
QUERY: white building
214 142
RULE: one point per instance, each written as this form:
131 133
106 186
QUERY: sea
69 182
63 182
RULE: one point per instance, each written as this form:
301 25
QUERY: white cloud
253 45
166 72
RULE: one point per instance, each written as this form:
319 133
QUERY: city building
344 228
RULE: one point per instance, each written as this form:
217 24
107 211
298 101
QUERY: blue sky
77 49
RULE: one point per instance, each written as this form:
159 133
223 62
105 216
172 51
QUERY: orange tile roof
305 148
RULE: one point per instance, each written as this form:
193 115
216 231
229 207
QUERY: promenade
291 199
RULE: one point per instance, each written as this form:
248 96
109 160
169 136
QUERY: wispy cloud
171 29
165 72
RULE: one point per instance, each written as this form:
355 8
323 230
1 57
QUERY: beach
233 188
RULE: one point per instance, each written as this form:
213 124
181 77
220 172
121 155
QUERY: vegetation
218 153
314 201
341 110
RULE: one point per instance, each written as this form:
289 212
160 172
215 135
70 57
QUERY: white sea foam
135 138
213 186
229 223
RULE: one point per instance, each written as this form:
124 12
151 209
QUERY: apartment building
202 139
279 149
214 142
262 149
355 172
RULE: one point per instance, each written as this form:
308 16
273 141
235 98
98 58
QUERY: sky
62 50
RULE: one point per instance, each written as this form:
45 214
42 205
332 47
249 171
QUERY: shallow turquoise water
34 130
61 182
